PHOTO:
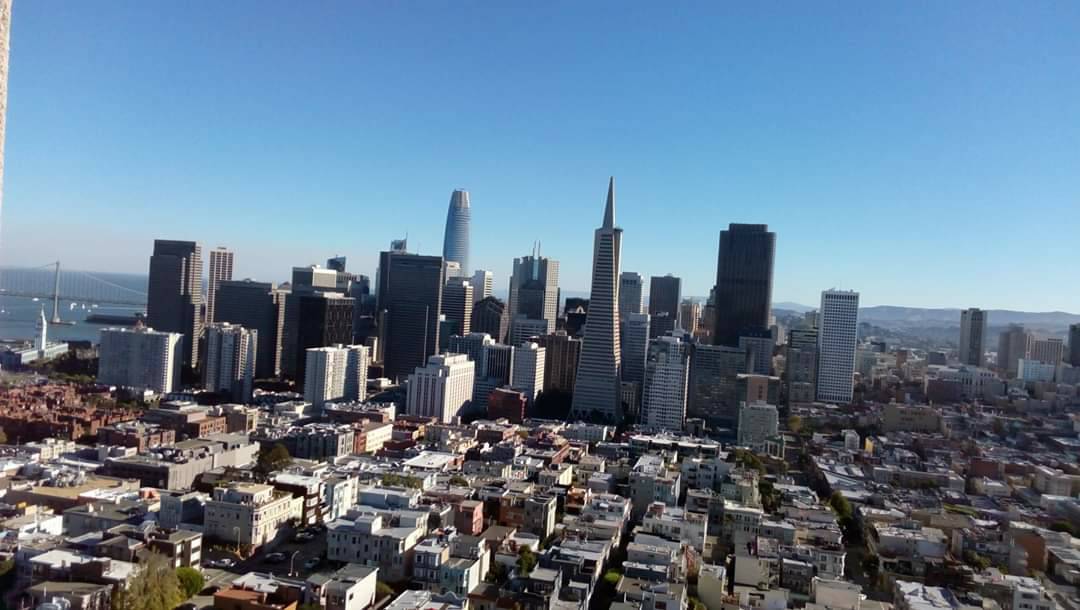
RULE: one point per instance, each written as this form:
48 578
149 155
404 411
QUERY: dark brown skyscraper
744 277
324 319
665 294
252 305
489 316
410 295
175 293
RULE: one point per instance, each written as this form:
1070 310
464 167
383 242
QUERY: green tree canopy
154 587
276 458
794 423
191 581
841 505
526 560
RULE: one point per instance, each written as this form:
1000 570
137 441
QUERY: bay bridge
47 282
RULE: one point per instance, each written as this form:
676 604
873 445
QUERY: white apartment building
838 331
663 398
249 514
335 373
382 539
442 388
758 422
230 360
678 524
527 376
140 358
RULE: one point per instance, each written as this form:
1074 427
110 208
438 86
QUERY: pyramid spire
609 209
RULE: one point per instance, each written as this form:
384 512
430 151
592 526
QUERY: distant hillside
888 315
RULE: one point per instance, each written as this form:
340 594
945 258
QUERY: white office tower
631 294
528 372
598 388
483 283
230 360
221 268
838 329
140 358
338 372
972 337
442 388
533 303
634 331
663 400
758 422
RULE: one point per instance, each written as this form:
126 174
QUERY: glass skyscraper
456 238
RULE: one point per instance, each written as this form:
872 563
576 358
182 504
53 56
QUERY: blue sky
925 154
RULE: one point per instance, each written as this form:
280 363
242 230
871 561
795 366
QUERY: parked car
304 537
312 563
224 562
275 558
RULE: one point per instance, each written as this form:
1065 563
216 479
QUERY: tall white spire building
838 330
596 389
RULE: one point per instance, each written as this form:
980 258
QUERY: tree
3 437
459 480
794 423
154 587
191 581
277 458
841 505
612 577
526 560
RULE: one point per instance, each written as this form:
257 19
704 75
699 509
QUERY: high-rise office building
528 374
631 294
442 388
972 336
494 370
174 293
483 283
489 316
758 422
323 318
690 316
759 347
410 300
838 335
1074 344
800 365
307 280
457 304
472 345
713 373
663 397
231 358
337 372
254 306
1013 345
221 267
560 361
665 295
742 297
1048 350
337 263
140 358
534 297
456 238
597 389
634 342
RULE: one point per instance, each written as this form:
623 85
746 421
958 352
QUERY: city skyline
895 135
